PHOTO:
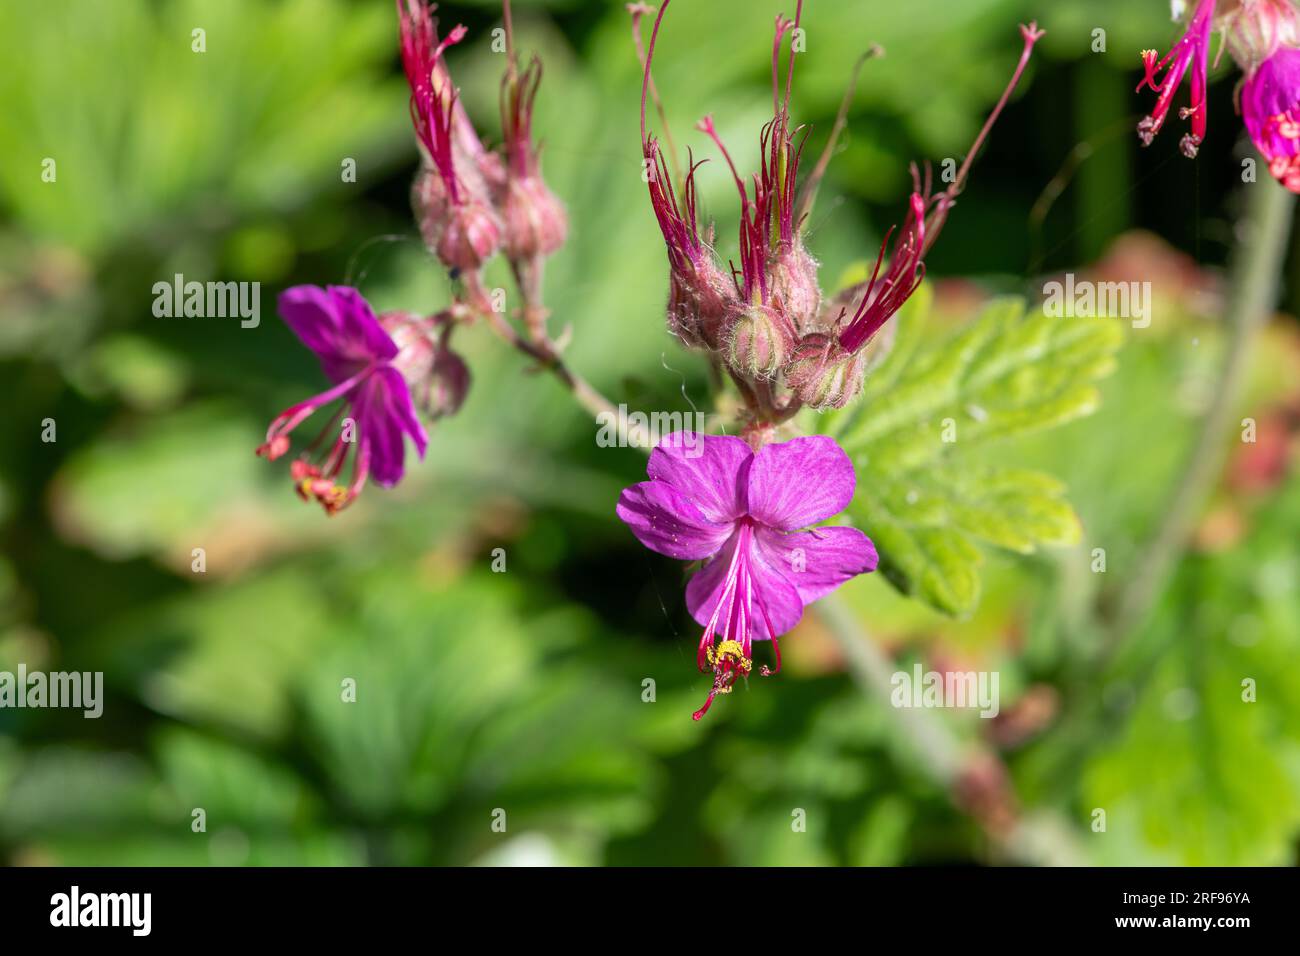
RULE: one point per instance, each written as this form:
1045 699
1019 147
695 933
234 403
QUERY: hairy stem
546 354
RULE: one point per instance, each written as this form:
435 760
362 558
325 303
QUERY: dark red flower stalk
375 364
700 296
925 218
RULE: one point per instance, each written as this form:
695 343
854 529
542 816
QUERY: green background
523 691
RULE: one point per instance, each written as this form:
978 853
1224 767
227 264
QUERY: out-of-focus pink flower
1270 108
371 375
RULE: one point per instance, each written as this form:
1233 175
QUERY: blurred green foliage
525 691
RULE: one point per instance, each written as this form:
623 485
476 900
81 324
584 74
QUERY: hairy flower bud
684 313
760 342
415 343
792 279
468 237
430 202
371 373
462 235
823 374
701 302
534 219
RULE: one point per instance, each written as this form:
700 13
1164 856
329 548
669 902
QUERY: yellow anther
729 649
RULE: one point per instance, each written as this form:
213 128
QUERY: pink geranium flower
367 367
747 516
765 319
1270 107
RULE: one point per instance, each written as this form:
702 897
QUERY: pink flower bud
416 345
451 192
447 387
701 302
792 284
683 313
534 219
823 374
437 377
760 342
430 203
462 235
469 237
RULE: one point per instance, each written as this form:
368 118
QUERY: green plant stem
1252 292
972 773
873 672
546 354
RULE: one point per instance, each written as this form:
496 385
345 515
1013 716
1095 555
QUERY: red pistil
905 274
518 93
677 221
753 224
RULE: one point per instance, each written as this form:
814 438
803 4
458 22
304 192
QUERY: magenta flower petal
364 363
361 326
773 608
800 482
712 470
339 326
667 521
385 414
816 562
757 578
1270 108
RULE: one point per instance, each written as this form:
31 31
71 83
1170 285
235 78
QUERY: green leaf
928 489
169 129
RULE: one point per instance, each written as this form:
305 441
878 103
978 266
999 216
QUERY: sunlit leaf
928 488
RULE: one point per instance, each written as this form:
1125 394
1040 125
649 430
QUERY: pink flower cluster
765 319
748 507
472 202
